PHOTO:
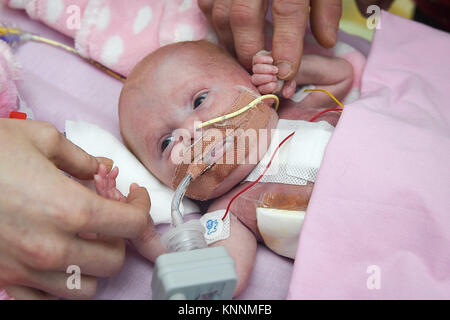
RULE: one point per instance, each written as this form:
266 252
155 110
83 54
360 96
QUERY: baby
186 83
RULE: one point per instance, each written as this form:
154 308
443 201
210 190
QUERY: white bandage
310 141
299 159
300 93
215 228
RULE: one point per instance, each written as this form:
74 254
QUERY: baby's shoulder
244 204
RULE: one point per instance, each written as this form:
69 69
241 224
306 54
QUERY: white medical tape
215 228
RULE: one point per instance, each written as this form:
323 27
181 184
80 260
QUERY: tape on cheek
207 177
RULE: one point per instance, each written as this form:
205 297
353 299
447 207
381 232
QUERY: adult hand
240 25
364 4
42 213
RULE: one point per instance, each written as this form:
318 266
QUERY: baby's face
172 89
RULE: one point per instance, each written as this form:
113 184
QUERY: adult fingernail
284 69
333 32
105 161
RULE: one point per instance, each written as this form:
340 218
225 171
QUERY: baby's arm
331 73
241 245
149 243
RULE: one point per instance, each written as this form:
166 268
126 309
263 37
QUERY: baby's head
173 88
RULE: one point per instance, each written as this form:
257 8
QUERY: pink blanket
59 86
378 224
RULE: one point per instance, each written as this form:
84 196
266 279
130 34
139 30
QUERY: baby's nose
191 124
189 130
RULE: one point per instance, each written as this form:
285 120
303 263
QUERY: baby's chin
243 170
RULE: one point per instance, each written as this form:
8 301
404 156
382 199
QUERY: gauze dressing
299 160
280 217
207 175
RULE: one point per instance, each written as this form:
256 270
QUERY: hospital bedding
378 223
336 245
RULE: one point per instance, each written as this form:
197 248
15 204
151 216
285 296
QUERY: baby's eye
166 142
199 100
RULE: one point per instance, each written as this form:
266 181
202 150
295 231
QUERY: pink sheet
380 210
59 86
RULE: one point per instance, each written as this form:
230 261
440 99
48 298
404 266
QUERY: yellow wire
329 93
4 31
255 102
54 43
242 110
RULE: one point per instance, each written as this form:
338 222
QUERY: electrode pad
216 229
299 159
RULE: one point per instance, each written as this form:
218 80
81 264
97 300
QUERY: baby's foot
265 79
105 184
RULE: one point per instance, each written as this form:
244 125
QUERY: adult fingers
206 7
25 293
220 17
96 214
63 285
63 153
103 257
247 20
325 16
148 244
290 19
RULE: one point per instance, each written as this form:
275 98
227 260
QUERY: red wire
270 162
324 111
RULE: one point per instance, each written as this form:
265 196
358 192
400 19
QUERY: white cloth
299 158
280 229
296 162
99 142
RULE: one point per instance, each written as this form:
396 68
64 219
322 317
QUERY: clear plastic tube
183 236
177 216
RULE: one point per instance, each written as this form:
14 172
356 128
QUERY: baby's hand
105 183
148 243
265 79
264 73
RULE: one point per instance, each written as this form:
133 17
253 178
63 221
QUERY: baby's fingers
268 88
260 79
262 59
265 69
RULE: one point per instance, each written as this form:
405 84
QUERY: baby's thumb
138 197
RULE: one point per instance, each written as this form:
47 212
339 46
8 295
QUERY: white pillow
101 143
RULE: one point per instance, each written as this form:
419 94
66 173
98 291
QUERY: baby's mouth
218 151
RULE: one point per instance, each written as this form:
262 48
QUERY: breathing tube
184 236
177 217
